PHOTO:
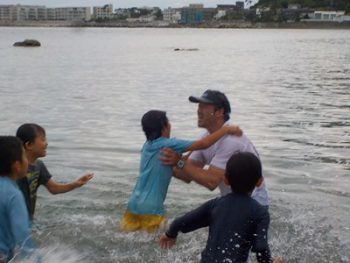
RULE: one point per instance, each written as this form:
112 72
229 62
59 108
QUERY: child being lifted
145 209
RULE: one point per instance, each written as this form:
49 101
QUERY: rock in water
28 43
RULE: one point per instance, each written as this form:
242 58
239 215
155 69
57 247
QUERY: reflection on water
289 91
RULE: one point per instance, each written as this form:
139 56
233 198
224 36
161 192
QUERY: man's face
206 115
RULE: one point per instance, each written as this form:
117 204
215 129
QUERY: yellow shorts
133 222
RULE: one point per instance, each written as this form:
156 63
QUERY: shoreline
164 24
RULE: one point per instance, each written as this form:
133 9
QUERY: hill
314 4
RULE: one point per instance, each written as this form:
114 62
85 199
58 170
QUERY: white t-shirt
219 153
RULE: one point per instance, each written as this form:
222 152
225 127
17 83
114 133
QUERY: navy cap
214 97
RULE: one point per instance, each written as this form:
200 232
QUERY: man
213 113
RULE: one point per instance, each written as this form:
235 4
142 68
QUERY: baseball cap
214 97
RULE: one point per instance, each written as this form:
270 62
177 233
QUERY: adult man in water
213 112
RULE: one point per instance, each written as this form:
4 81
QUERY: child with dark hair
34 140
145 210
14 219
237 223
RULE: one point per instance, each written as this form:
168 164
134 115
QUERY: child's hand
84 179
166 242
277 260
234 130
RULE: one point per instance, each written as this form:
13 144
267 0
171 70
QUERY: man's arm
209 178
58 188
180 174
193 170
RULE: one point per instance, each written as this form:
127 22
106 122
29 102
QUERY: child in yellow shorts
145 210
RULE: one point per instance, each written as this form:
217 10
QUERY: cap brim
199 100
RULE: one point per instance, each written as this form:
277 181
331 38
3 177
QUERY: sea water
88 87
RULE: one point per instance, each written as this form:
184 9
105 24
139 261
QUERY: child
34 141
237 223
14 219
145 210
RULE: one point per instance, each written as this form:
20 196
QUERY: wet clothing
152 184
220 152
237 223
133 222
37 175
14 220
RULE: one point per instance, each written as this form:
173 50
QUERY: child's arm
260 244
189 222
214 137
58 188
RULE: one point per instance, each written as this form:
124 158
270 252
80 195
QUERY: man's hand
166 242
169 157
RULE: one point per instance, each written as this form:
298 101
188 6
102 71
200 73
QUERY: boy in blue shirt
145 210
237 223
14 219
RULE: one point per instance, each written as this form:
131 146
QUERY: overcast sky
117 3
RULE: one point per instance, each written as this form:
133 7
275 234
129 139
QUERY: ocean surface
290 93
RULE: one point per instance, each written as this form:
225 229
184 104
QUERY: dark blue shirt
237 224
37 175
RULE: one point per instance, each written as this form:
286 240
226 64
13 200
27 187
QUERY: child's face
167 130
39 146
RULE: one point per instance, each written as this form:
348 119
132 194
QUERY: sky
117 3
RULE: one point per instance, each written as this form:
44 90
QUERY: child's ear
226 180
16 167
27 145
259 182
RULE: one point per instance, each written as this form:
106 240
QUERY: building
209 14
192 14
327 16
73 13
30 13
22 12
239 5
172 15
104 12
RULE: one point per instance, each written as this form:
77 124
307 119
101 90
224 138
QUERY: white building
104 12
31 12
73 13
172 15
22 12
220 14
327 16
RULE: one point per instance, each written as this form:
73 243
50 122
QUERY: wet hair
243 171
28 132
152 123
11 150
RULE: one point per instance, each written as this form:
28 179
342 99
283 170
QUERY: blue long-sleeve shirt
237 224
14 220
